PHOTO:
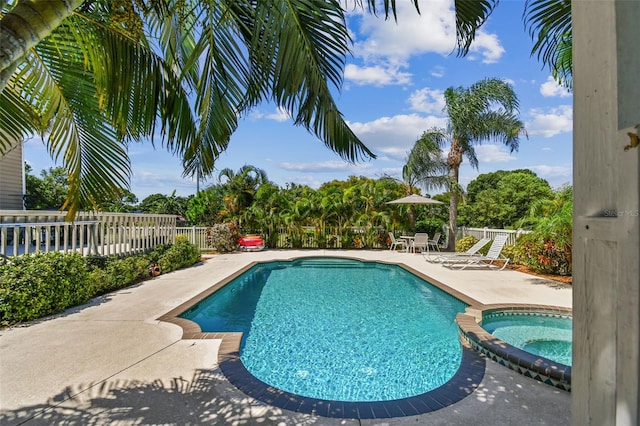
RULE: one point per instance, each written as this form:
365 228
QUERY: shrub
465 243
223 237
179 255
514 253
543 255
123 271
32 286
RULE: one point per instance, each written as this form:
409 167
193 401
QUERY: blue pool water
541 335
339 329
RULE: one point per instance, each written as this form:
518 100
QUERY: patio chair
434 242
395 243
420 242
479 260
440 257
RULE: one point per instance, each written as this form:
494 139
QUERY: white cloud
433 31
491 153
430 101
377 75
307 173
395 136
552 89
488 46
278 115
323 166
552 172
550 122
438 72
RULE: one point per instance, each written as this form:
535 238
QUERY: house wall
12 179
606 246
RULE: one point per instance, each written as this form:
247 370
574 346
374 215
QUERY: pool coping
536 367
466 379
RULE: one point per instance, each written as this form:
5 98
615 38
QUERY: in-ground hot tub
533 340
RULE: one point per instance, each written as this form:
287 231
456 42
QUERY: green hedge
32 286
40 284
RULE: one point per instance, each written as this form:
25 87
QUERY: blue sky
392 92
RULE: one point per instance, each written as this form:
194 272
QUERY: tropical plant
549 25
84 75
425 168
239 189
549 247
485 111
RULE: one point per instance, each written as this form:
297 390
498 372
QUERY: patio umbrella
414 199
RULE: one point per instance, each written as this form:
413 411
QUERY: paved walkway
112 362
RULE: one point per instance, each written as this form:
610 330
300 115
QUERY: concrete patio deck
112 362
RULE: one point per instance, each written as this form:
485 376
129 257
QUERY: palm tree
485 111
240 188
426 168
232 55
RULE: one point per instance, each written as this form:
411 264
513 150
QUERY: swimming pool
338 329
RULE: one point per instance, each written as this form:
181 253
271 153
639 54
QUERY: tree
501 199
426 168
485 111
84 74
164 204
204 208
120 201
487 181
47 192
240 188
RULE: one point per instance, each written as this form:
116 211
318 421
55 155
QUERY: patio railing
27 231
491 233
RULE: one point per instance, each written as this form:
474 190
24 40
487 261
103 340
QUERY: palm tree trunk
454 159
29 22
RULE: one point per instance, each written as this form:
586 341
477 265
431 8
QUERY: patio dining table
408 242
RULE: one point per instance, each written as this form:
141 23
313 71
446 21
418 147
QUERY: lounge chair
395 243
420 242
473 250
434 242
479 260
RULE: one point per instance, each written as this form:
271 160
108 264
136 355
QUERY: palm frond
549 25
470 15
299 47
388 7
89 88
426 161
79 133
